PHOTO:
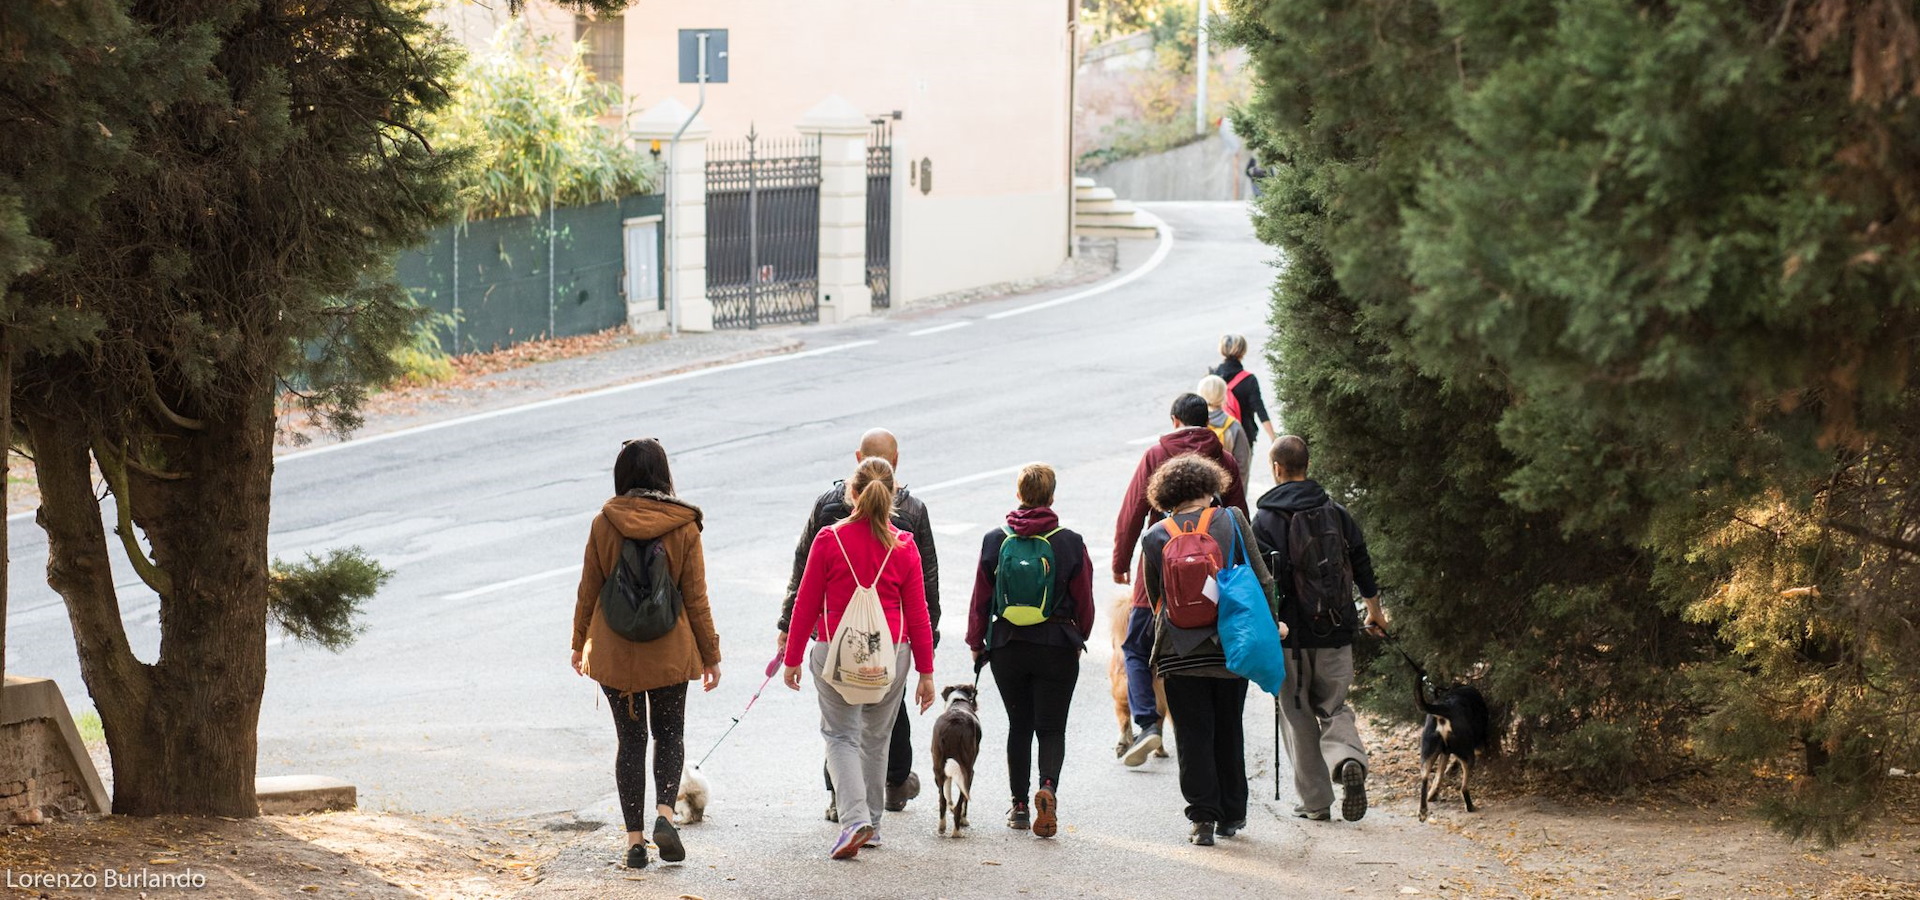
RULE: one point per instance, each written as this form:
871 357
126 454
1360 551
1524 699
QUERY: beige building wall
983 88
474 22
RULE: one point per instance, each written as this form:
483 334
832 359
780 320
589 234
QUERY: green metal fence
514 279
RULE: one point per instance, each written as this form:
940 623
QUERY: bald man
909 515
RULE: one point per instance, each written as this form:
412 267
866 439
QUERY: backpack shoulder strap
1238 378
1206 519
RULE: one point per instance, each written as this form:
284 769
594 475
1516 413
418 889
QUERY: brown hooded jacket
692 645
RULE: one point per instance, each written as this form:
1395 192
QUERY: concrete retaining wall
44 768
1210 169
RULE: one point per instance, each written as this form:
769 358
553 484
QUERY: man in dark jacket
1315 719
1190 434
909 515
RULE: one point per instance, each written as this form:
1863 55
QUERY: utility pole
1200 69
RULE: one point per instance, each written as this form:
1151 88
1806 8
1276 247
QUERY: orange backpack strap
1206 519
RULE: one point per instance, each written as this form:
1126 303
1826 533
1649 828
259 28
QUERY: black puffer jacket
1270 526
909 515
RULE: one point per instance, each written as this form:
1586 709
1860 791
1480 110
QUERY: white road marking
1141 442
514 583
570 398
956 482
1153 262
938 328
955 528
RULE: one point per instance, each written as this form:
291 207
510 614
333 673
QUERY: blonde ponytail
870 490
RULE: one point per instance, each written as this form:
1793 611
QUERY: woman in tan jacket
646 683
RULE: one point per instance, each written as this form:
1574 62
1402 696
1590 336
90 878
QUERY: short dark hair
1190 409
642 466
1290 454
1184 479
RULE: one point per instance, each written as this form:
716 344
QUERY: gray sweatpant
858 737
1317 722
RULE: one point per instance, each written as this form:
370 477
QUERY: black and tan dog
956 744
1457 727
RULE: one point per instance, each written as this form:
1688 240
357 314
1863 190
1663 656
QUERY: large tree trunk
181 730
6 492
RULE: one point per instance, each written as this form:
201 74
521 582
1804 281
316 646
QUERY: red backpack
1231 405
1190 559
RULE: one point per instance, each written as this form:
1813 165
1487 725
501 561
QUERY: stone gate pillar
686 210
842 131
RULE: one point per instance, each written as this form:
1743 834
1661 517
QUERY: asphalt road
458 698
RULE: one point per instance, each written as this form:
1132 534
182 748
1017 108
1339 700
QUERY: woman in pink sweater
864 550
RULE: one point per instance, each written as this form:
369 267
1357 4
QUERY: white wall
982 85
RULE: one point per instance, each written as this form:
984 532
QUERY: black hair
1190 410
642 466
1290 454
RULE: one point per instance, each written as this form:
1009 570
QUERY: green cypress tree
1672 250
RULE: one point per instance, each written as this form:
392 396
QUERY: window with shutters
605 44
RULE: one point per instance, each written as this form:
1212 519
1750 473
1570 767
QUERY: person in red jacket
1190 434
862 551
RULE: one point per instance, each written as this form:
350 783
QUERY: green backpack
1023 581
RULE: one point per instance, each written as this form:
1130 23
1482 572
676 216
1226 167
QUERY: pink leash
772 667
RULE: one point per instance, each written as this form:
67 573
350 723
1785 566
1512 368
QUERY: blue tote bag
1247 629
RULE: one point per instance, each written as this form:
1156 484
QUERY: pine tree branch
166 412
1889 542
114 468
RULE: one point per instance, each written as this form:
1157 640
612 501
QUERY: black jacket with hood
909 515
1270 525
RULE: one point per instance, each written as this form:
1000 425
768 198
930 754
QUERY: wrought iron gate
763 232
880 213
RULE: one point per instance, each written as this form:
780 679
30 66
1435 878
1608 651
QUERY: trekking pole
772 667
1276 747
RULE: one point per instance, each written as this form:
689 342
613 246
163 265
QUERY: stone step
1103 207
1082 181
299 795
1135 226
1119 220
1092 193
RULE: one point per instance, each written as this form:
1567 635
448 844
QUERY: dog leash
772 667
1394 644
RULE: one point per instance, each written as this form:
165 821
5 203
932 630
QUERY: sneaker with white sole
1143 746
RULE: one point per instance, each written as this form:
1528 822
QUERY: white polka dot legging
666 712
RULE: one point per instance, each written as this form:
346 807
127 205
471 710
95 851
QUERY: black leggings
1036 685
666 710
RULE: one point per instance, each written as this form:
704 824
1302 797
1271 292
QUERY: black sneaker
833 807
1353 780
1229 829
1017 818
899 794
1143 745
667 838
1202 835
637 856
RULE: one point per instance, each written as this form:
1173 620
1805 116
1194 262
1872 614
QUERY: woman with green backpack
1031 615
642 629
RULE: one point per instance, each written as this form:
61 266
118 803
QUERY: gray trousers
858 738
1317 723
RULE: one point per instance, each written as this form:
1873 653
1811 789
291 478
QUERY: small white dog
695 790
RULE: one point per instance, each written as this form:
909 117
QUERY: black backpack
1322 574
640 599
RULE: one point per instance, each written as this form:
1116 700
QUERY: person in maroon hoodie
1035 665
1190 435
